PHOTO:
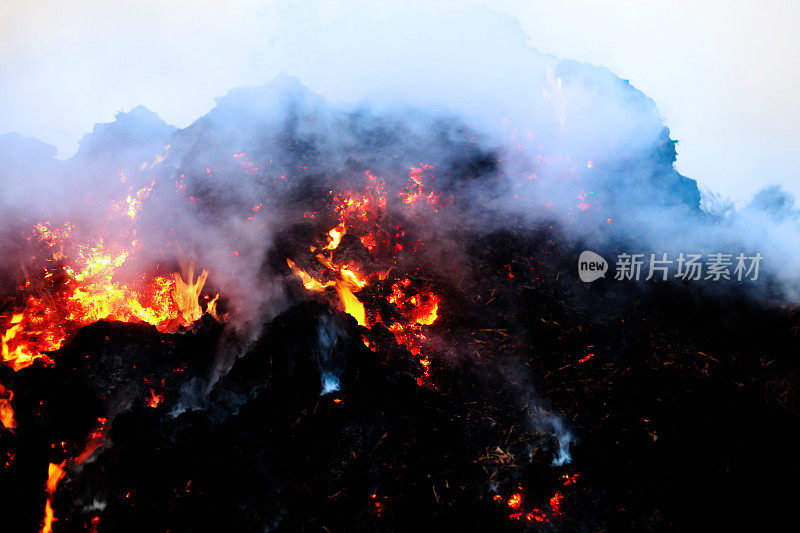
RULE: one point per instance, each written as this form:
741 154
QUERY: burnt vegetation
487 389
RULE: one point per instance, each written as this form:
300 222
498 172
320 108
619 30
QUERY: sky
725 75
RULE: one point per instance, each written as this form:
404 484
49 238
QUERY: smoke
564 439
516 137
544 117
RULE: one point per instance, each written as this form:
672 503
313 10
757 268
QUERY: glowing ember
418 191
361 213
421 308
569 479
516 500
555 503
377 504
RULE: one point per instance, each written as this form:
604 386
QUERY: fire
78 281
89 295
309 282
350 277
6 411
83 283
55 473
352 305
362 213
186 295
335 237
344 288
515 503
421 308
95 440
132 204
18 356
155 399
417 190
555 503
515 500
211 306
49 517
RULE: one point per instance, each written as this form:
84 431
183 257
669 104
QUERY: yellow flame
352 305
430 316
187 294
309 282
335 237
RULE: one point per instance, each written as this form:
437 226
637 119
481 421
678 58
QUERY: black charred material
681 398
105 369
685 411
272 451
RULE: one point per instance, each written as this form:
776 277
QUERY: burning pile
389 357
72 284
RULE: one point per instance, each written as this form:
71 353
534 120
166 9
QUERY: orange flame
211 307
155 399
6 411
308 282
81 285
87 291
55 473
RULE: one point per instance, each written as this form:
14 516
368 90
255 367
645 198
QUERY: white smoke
556 127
